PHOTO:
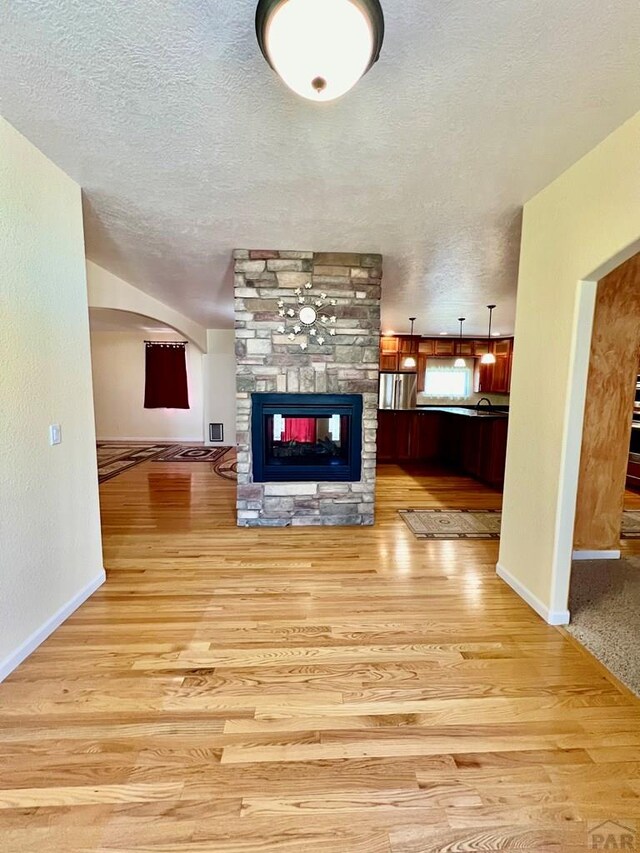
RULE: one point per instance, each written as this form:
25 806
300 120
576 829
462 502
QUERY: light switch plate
55 434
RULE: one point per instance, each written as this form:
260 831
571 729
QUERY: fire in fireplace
306 437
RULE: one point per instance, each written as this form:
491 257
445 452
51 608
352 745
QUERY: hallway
347 690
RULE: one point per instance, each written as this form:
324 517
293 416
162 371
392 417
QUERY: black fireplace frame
301 406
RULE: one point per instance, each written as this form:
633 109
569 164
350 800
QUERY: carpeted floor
481 524
604 603
114 458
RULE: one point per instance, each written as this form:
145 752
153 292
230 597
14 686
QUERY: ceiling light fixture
320 48
409 362
460 362
489 357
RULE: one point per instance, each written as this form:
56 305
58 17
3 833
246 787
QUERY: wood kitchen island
464 440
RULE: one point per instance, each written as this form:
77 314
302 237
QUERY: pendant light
489 357
320 48
460 362
408 362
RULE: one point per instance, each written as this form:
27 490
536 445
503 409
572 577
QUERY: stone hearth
279 354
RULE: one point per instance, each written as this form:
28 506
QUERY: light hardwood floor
326 691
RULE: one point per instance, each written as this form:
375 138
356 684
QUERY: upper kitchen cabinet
464 348
502 347
445 347
408 351
394 350
494 378
389 347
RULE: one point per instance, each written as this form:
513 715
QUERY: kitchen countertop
485 412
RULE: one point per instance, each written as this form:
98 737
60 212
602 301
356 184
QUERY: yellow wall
50 551
575 231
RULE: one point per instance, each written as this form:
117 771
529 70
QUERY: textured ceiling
187 145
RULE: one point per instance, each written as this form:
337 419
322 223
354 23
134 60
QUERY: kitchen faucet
484 400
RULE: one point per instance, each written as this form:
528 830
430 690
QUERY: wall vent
216 432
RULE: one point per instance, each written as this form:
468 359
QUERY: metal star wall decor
311 315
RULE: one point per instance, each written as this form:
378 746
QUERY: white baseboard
596 555
551 617
32 642
150 440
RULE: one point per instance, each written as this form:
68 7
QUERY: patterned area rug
453 523
186 453
631 524
227 467
481 523
113 459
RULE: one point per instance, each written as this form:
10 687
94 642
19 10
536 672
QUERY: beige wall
106 290
50 552
118 360
574 232
220 383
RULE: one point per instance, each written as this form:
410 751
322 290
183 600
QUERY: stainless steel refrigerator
397 391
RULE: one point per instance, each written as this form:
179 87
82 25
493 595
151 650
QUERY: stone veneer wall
267 361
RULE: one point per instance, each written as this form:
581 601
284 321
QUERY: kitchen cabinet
408 348
495 378
464 348
502 347
408 436
633 472
467 445
394 435
444 346
389 348
426 436
386 435
389 344
389 362
501 375
407 345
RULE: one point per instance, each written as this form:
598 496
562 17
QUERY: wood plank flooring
326 691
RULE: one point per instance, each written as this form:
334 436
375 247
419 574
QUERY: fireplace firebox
306 437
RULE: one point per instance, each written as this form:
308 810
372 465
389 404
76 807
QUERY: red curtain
299 429
165 376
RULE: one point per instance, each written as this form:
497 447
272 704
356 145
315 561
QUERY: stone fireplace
307 338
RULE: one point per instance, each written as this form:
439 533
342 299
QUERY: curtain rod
168 343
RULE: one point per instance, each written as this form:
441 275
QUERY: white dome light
320 48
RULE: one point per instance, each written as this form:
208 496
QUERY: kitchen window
442 379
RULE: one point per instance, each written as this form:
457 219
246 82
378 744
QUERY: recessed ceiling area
187 145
